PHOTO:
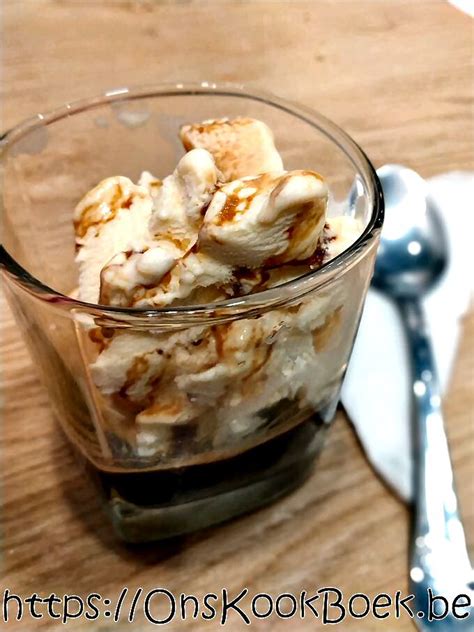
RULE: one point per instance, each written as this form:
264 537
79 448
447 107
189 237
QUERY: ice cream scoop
171 230
241 146
180 202
265 220
112 218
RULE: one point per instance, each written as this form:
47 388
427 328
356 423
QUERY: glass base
147 506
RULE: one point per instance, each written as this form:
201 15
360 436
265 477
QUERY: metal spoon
412 256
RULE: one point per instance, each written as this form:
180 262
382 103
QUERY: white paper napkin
464 5
377 390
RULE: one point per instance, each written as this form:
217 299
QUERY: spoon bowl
413 251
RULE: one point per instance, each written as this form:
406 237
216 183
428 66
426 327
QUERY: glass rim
233 307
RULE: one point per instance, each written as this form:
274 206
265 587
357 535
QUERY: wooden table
397 76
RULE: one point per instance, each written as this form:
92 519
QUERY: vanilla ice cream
271 218
241 147
229 221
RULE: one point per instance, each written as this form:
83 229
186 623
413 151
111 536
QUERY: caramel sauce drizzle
98 214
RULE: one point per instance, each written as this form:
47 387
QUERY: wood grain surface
397 75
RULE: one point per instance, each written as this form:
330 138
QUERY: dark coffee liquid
186 484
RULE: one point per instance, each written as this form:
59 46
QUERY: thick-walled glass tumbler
186 415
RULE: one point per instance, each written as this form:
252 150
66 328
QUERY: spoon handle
438 536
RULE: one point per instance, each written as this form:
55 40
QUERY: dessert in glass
188 265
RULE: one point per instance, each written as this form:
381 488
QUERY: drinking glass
173 447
